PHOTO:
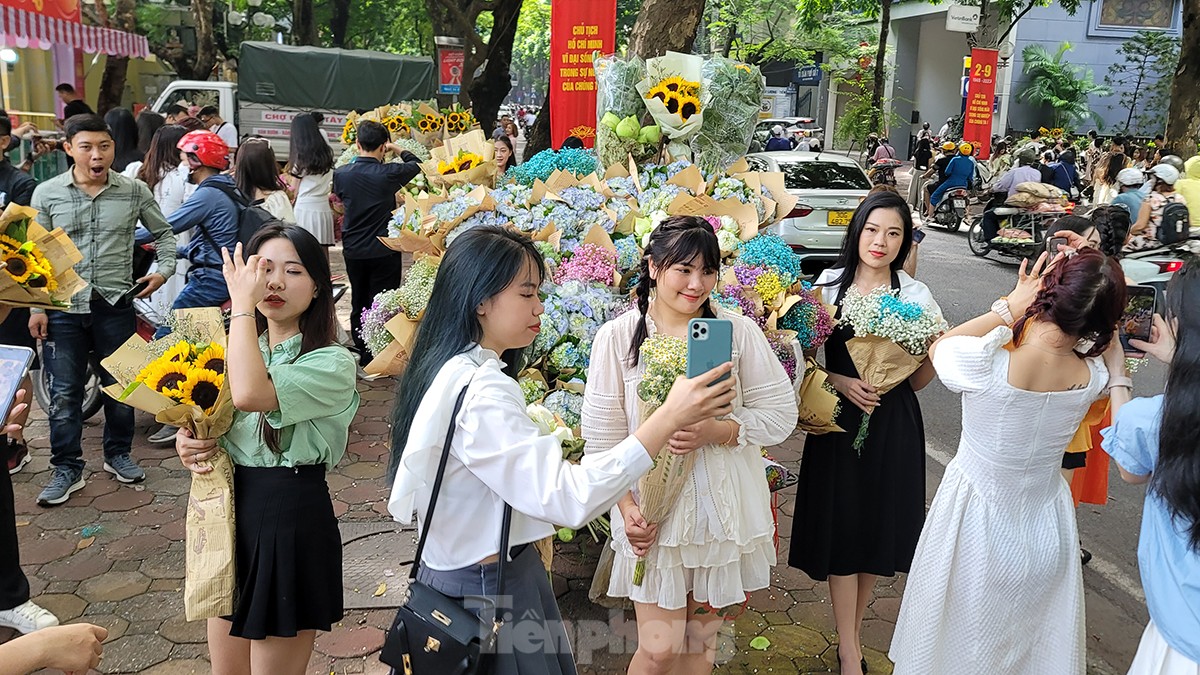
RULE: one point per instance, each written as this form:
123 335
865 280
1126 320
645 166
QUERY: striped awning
26 29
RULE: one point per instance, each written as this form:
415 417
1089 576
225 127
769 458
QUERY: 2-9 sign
983 70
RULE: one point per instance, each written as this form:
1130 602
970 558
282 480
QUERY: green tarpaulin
335 79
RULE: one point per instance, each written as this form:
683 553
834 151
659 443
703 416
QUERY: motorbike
1022 233
883 171
952 209
1155 267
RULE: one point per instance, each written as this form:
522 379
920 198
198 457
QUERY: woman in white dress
166 174
257 176
996 585
310 168
717 543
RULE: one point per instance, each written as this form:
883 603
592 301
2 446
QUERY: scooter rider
939 168
1006 187
959 174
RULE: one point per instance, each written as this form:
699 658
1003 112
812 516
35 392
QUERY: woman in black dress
859 515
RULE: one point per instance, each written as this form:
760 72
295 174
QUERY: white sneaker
27 618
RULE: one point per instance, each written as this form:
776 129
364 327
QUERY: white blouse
498 456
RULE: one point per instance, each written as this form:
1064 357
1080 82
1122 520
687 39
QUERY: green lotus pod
650 135
628 128
610 120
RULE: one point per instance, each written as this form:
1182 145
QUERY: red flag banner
578 28
64 10
981 94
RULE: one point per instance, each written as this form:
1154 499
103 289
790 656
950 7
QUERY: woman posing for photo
717 543
859 513
471 350
295 392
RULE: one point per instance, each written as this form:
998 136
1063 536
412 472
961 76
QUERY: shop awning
19 28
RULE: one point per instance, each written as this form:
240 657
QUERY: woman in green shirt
295 393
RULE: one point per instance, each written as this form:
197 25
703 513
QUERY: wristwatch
1001 307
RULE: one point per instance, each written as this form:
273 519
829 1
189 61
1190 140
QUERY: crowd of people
995 582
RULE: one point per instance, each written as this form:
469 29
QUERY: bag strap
506 520
239 205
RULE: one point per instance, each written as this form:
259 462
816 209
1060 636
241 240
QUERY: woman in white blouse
310 172
486 293
717 543
257 176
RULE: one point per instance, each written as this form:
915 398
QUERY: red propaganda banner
578 28
450 69
63 10
981 93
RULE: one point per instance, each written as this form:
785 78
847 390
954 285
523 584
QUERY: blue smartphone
710 343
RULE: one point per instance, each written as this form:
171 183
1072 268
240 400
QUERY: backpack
1174 226
251 218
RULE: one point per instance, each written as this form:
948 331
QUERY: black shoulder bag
434 634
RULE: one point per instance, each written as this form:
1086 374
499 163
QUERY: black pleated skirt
289 553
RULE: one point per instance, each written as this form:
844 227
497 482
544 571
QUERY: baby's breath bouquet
665 359
891 339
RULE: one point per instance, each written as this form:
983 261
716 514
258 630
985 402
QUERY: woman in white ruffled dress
310 174
717 543
995 585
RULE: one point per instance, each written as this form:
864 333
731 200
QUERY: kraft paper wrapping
659 489
210 577
472 141
394 357
59 251
818 407
881 363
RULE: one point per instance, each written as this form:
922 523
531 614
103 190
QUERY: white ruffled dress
717 544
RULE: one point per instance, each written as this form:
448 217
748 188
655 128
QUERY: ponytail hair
678 239
1083 295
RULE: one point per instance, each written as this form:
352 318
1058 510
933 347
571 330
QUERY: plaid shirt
102 228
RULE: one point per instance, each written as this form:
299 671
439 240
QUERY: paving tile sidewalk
129 577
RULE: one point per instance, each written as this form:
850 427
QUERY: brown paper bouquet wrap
883 364
391 361
452 153
659 489
39 265
819 407
210 580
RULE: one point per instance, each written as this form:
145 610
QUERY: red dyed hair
1083 295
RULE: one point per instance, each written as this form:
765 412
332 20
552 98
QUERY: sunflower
182 351
447 168
201 388
672 83
43 281
435 121
688 106
39 260
672 102
165 377
659 92
7 243
453 119
18 265
349 132
467 160
212 358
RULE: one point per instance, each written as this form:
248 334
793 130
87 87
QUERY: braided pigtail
642 295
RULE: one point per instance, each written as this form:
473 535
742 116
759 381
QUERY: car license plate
840 218
960 203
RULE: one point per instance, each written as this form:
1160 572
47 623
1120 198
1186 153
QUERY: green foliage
531 47
399 26
854 82
1053 81
1144 79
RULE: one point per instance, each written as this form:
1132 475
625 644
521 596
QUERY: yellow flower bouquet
426 125
459 120
38 265
180 379
468 158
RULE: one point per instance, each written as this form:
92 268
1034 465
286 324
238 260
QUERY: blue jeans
72 341
205 288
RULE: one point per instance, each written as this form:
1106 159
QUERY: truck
277 82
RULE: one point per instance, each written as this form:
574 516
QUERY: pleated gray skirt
533 640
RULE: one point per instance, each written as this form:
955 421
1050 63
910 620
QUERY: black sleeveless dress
861 514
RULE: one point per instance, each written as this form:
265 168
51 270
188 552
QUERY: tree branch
1013 24
465 24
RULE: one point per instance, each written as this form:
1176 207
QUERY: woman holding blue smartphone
717 543
859 514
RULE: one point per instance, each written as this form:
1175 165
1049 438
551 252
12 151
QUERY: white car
829 188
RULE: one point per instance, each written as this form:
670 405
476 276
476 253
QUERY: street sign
450 69
808 76
962 19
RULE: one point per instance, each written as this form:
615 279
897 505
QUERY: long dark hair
163 156
310 154
1112 222
1083 295
478 266
125 137
1177 472
318 323
1116 162
678 239
255 167
148 122
848 259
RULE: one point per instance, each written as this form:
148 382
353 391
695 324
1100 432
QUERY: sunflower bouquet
350 129
464 159
426 125
458 120
672 92
38 265
396 126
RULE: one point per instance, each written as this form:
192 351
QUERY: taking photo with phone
1138 317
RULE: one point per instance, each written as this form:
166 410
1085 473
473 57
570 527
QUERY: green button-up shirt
102 228
318 398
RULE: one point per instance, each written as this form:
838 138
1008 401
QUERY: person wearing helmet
1024 172
1129 196
960 171
945 130
1188 185
923 153
939 169
884 151
1174 161
777 142
1162 194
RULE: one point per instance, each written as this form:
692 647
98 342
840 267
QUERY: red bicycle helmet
207 148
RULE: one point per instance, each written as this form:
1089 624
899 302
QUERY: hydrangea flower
566 404
629 256
568 356
532 389
589 263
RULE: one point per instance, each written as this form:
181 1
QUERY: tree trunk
339 22
539 135
304 26
112 83
206 46
885 24
490 90
665 25
1183 117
